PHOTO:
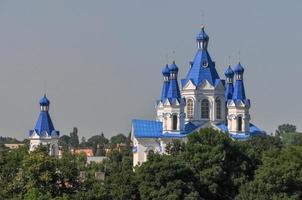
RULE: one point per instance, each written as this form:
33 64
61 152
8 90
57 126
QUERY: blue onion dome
44 101
166 71
229 72
239 69
173 67
202 35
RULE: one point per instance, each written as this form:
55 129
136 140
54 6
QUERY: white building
204 100
44 131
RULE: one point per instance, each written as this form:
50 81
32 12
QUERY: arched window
205 110
174 122
239 124
218 108
190 107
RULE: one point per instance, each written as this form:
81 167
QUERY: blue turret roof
239 69
202 35
166 74
239 91
173 91
173 67
166 71
203 68
44 123
229 72
44 101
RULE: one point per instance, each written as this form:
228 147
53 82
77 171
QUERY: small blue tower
229 87
238 106
173 91
166 75
44 132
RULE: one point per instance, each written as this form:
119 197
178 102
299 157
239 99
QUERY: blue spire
173 91
166 75
229 88
44 123
203 68
239 92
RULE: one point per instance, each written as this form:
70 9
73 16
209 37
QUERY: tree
64 142
118 139
74 138
285 128
279 177
96 140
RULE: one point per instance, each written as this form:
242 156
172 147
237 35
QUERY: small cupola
173 70
202 39
239 70
229 74
44 103
166 73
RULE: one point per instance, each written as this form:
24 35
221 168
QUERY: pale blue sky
100 61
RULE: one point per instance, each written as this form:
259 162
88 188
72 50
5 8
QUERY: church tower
202 88
238 107
170 109
44 132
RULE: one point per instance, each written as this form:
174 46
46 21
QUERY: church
201 100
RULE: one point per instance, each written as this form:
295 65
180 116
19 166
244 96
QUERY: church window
239 123
174 122
205 110
190 107
218 108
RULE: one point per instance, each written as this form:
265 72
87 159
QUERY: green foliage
118 139
209 165
64 142
74 138
285 128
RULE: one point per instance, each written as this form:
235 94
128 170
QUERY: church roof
253 131
154 129
44 123
202 67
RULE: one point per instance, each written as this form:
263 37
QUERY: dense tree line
209 165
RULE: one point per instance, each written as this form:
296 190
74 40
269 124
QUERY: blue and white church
44 132
202 100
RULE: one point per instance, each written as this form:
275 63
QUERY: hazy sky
100 61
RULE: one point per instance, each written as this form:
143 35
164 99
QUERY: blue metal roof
166 71
253 131
154 129
173 91
229 72
203 68
44 101
202 35
44 123
239 69
239 92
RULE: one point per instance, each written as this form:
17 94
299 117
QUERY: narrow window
174 122
218 108
190 108
239 124
205 109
